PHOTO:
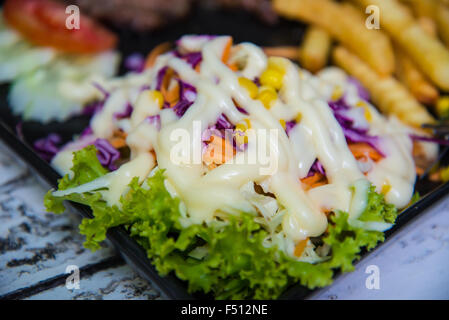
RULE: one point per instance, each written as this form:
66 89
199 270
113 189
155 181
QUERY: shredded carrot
158 50
314 181
300 246
119 139
227 51
233 66
218 151
227 54
289 52
171 95
118 143
362 150
170 91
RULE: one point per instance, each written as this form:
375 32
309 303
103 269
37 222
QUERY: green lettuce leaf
377 209
234 263
86 168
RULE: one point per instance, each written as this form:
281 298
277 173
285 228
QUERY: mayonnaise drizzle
317 136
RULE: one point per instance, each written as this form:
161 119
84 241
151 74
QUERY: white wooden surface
36 247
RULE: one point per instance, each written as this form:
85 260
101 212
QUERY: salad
170 154
50 66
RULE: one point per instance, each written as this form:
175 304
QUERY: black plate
243 27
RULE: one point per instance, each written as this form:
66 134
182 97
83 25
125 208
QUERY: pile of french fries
403 62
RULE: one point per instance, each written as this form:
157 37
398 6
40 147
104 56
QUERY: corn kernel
442 106
240 127
283 124
240 137
337 93
249 86
385 188
240 131
444 174
298 117
243 125
272 77
368 114
267 95
360 104
158 97
277 63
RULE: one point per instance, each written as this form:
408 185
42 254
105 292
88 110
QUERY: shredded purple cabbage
338 105
242 110
289 125
361 90
223 123
107 154
135 62
181 107
192 58
430 139
144 87
357 136
160 77
124 114
351 132
101 89
86 132
93 108
154 120
317 167
209 132
48 147
187 95
186 91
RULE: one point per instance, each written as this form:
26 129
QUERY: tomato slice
43 23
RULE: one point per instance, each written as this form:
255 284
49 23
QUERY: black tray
243 27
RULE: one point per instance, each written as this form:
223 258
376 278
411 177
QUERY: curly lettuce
226 260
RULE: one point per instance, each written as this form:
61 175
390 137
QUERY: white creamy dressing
397 169
317 136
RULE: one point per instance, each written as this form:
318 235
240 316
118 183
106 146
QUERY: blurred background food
404 63
145 15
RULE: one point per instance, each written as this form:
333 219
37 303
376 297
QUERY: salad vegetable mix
229 227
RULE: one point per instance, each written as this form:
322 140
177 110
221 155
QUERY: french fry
409 74
428 25
388 94
315 49
406 70
289 52
423 8
372 46
442 17
428 53
437 11
414 80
